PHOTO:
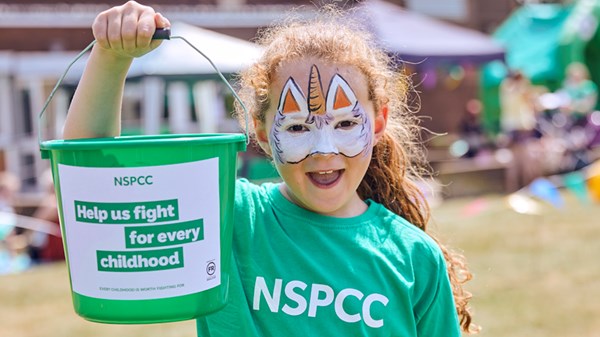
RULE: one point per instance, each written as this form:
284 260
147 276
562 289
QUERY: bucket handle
159 34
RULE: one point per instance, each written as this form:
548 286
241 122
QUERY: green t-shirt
298 273
583 96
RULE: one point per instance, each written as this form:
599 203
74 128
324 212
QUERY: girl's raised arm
122 33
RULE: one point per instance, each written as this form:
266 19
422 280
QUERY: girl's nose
324 144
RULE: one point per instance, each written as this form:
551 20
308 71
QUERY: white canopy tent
176 59
173 60
168 72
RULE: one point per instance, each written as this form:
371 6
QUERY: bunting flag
544 189
475 207
593 182
523 204
576 183
584 184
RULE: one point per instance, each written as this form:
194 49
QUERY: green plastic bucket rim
161 33
141 141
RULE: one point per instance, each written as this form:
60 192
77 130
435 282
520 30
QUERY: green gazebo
541 40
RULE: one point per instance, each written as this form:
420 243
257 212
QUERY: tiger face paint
331 123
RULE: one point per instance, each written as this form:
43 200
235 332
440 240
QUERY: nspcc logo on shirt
309 297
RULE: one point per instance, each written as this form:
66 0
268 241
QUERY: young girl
339 248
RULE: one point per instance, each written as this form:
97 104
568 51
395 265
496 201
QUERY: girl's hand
126 31
121 33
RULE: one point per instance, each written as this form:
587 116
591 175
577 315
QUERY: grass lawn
534 276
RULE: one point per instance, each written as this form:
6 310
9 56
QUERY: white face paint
303 127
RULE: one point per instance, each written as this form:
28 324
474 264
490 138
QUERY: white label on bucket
143 232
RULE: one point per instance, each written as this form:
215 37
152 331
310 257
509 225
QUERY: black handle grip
162 34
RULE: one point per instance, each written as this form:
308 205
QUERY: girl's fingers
145 29
114 31
100 30
129 28
159 22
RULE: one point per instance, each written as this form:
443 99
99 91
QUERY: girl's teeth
325 178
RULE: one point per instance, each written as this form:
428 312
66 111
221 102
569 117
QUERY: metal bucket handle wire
159 34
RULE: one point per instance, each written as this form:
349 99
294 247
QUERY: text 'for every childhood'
137 237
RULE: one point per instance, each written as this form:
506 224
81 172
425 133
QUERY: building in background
38 39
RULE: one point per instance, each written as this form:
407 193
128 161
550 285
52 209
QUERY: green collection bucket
146 222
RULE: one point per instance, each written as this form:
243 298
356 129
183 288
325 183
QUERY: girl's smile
325 179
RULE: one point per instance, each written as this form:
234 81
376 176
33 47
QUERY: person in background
518 108
14 240
519 119
579 98
9 185
51 249
471 128
580 93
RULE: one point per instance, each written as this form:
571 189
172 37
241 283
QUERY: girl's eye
347 124
297 128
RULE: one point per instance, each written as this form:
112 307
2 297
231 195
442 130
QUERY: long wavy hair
398 159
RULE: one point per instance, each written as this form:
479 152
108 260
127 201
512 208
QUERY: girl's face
320 129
